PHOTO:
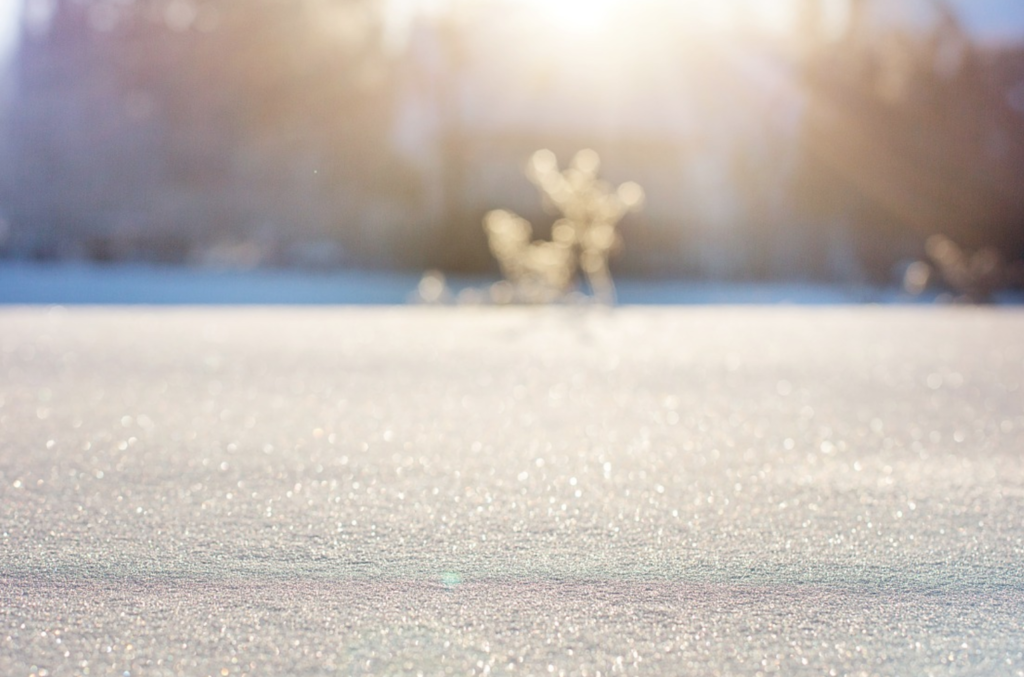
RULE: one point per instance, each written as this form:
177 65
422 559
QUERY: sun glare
578 16
593 17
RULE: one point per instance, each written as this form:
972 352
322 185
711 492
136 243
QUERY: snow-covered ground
137 284
417 490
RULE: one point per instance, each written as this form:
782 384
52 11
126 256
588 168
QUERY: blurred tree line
156 129
263 132
910 132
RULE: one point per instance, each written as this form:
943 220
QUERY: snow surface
708 491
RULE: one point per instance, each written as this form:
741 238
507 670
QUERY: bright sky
999 20
992 19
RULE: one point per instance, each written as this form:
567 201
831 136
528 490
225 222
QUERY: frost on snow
511 491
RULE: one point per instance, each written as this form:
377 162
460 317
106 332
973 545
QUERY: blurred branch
975 277
585 235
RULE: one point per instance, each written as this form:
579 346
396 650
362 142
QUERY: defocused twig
974 277
542 271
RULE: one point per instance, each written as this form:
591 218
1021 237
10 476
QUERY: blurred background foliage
827 140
